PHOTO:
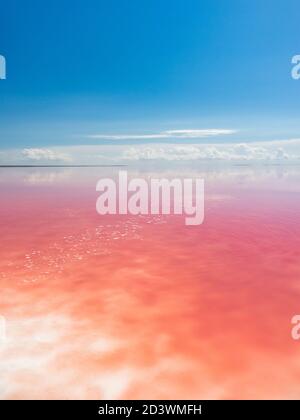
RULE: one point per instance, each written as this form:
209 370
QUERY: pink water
143 306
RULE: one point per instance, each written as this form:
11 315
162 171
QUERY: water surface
144 306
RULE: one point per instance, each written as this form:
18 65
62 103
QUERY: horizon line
62 166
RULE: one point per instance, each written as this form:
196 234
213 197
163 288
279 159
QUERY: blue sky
81 68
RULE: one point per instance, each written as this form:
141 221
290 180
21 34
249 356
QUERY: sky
138 74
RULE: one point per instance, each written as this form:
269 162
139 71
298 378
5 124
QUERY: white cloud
36 154
199 133
232 152
168 134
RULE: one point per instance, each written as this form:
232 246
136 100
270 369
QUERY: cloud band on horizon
285 150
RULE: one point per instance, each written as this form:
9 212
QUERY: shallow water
144 306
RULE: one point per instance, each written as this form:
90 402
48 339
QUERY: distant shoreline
60 166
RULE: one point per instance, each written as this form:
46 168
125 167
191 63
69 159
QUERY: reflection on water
144 306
